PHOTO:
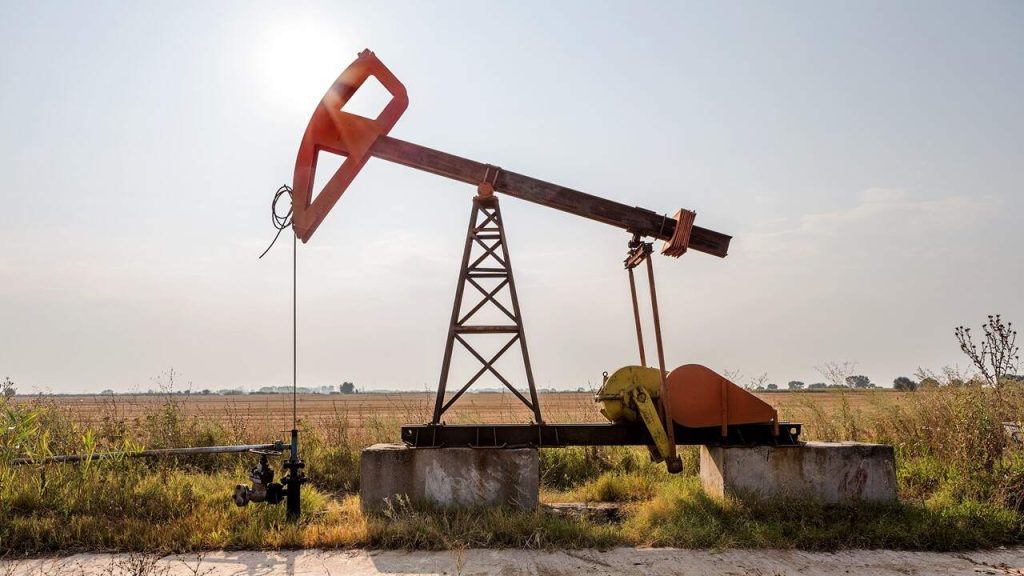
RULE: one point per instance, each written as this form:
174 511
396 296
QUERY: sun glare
299 57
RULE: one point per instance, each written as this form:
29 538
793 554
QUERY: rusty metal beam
562 435
631 218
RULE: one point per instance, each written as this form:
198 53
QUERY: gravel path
533 563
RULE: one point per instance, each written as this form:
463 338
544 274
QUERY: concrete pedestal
449 477
825 472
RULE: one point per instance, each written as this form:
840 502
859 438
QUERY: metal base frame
562 435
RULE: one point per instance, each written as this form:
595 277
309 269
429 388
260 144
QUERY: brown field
364 411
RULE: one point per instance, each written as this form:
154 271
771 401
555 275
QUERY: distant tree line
343 388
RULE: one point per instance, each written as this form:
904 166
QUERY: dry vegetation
961 478
271 413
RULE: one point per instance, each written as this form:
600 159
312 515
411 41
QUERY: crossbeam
563 435
631 218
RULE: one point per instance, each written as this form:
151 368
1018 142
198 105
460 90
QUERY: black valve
264 489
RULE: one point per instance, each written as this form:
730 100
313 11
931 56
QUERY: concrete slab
631 561
825 472
449 477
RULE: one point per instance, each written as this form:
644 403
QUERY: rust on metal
630 218
636 319
333 130
676 245
486 230
695 404
639 252
587 434
358 138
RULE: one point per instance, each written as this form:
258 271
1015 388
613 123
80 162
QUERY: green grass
961 486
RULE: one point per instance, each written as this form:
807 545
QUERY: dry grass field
272 412
961 481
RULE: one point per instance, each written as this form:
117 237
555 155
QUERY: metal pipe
156 453
294 480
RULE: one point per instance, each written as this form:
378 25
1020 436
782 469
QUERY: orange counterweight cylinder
700 397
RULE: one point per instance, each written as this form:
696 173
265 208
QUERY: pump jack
645 405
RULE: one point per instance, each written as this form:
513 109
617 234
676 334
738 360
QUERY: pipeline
277 446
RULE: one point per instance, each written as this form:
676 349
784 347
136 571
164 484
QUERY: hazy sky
867 157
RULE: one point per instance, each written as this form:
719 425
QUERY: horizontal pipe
156 453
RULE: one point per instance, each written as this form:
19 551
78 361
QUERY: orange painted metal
350 135
676 245
331 129
700 398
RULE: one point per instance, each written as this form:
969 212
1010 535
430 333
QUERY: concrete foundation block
825 472
449 477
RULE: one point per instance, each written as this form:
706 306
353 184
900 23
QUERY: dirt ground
360 411
535 563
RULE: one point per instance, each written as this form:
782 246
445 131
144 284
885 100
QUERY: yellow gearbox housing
629 393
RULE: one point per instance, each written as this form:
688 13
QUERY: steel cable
282 222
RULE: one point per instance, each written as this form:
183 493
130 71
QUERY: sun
298 56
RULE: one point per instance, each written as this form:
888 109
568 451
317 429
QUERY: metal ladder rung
486 329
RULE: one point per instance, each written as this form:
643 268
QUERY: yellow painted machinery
697 398
630 395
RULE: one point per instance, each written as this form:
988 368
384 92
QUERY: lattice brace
488 273
490 309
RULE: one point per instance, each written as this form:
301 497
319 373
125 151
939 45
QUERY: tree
348 388
998 354
734 376
7 388
858 381
904 384
796 385
773 387
817 386
836 373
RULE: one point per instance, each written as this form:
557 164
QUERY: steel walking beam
357 138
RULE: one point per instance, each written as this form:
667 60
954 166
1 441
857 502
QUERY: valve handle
350 135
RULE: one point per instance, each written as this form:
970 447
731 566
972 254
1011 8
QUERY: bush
904 384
